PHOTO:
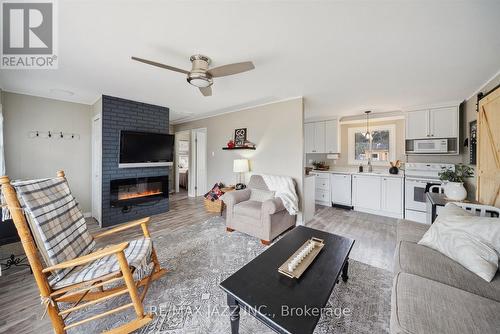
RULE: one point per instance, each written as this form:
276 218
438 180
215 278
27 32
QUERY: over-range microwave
430 146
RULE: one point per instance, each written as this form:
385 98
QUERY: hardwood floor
20 309
375 235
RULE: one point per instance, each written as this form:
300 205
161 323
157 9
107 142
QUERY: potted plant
454 181
320 165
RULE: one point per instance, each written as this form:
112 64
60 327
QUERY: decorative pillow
261 195
472 241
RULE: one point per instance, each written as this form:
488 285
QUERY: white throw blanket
284 189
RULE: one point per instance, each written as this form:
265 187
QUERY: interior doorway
182 168
199 161
191 162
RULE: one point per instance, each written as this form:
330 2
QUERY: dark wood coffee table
275 299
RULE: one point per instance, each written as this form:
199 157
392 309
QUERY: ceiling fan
200 75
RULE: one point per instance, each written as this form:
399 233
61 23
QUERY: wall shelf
239 148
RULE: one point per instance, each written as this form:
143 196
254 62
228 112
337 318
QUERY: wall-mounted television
145 149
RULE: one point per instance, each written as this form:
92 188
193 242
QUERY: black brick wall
120 114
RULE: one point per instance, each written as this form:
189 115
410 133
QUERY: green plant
460 173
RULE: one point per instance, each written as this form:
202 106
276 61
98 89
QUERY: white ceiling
343 57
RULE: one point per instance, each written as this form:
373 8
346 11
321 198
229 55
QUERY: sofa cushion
248 209
261 195
419 260
411 231
257 182
420 305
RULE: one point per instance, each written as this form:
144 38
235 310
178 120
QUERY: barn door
488 148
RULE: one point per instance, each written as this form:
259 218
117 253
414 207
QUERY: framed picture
240 136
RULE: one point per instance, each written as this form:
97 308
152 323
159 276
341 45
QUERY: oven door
415 190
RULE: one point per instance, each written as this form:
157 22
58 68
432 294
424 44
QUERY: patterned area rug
189 300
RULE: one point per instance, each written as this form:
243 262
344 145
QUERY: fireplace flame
124 196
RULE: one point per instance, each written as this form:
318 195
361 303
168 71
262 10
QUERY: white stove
418 177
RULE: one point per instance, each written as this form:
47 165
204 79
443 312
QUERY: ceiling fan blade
206 91
150 62
231 69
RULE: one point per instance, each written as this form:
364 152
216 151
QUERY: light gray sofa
434 294
264 220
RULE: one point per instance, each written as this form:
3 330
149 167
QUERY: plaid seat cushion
56 222
138 255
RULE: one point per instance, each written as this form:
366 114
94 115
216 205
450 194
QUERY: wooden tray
306 262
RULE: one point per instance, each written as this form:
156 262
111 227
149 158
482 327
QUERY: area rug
188 299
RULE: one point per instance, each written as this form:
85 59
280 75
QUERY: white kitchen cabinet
322 188
444 122
378 194
432 123
392 197
366 193
417 124
321 137
309 137
332 136
341 189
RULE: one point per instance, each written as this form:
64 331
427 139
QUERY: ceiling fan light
199 82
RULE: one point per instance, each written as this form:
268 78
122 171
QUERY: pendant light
367 133
368 136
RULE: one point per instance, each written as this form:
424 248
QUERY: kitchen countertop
351 171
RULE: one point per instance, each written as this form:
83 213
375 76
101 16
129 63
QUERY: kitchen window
383 148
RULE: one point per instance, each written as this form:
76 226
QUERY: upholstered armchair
254 212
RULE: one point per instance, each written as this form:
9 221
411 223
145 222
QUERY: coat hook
37 134
61 135
50 134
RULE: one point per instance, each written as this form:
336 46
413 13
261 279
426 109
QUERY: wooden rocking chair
74 280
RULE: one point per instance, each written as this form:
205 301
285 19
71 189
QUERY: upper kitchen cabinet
321 137
417 124
432 123
332 136
443 122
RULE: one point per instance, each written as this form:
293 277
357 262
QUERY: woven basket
213 206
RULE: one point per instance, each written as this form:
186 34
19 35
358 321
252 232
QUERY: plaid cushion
138 254
56 222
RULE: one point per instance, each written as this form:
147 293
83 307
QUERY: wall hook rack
58 135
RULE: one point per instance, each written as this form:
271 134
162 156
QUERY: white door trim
176 167
96 170
197 181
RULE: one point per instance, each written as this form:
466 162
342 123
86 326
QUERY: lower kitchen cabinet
322 188
380 195
392 197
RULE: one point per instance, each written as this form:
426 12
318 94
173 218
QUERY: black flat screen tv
145 149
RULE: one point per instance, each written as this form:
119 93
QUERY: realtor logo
28 34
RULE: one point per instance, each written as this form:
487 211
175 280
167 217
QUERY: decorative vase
393 170
455 191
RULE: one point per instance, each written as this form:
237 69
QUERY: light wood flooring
20 308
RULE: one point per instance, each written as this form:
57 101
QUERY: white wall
277 131
28 158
